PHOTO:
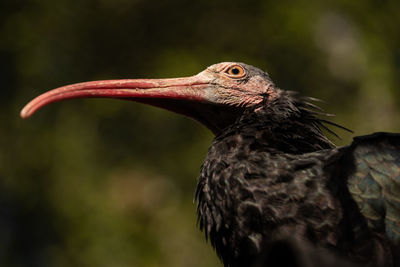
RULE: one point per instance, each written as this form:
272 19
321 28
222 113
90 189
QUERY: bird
271 178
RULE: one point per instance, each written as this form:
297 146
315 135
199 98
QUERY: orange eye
235 71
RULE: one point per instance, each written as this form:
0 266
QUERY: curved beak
151 91
194 96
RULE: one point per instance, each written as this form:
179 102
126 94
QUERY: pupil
235 71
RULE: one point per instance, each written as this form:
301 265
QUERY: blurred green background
97 182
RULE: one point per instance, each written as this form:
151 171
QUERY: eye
235 71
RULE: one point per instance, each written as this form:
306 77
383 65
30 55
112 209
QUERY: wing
374 181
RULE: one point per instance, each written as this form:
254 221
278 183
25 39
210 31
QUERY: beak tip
25 113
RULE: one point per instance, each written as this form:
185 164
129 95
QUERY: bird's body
261 182
270 173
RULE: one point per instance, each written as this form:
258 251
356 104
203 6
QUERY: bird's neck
295 133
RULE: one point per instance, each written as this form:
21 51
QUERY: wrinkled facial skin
245 90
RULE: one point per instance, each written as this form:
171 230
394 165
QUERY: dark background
99 182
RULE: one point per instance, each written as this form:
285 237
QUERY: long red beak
151 91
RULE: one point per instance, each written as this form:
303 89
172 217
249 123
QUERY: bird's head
216 97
